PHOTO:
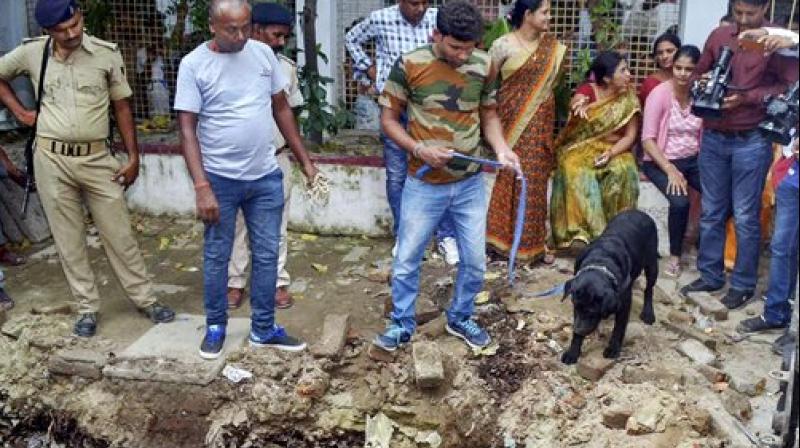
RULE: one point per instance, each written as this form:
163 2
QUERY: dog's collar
602 269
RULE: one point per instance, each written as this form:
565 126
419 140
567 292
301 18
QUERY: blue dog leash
521 204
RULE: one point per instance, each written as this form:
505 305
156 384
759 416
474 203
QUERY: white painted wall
699 18
357 203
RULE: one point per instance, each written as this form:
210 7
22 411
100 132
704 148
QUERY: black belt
72 149
736 134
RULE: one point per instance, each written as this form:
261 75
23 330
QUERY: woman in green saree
528 59
596 174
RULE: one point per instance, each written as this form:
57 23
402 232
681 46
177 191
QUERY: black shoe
756 325
736 298
6 302
86 326
698 285
159 313
779 346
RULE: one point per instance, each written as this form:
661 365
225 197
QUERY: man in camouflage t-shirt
448 89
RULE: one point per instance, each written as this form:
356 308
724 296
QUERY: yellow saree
584 197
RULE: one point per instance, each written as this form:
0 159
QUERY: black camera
707 99
780 125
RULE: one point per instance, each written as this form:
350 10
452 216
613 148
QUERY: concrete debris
709 305
334 336
737 405
379 431
748 385
697 352
592 366
61 308
616 417
647 419
428 368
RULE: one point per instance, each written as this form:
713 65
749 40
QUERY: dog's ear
567 289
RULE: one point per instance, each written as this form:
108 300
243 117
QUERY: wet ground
516 393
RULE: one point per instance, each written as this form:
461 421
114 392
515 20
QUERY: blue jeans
396 160
783 264
425 204
261 201
732 173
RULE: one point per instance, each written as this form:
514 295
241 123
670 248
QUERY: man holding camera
735 156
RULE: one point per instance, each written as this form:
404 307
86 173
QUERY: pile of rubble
683 382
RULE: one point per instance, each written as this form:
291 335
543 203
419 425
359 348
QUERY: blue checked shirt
393 36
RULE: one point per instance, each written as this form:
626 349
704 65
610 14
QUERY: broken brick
428 367
334 336
592 366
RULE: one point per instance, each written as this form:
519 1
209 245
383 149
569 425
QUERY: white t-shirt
232 95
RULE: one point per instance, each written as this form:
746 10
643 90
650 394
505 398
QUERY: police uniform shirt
76 90
293 95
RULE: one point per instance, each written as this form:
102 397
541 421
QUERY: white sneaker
449 249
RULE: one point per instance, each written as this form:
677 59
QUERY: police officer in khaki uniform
73 166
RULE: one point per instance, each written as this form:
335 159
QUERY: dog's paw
648 318
611 352
570 358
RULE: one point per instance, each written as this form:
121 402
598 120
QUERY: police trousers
65 185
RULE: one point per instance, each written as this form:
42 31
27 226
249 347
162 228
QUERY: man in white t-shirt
226 89
272 26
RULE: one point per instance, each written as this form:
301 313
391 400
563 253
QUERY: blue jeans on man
783 262
261 201
733 169
395 159
425 205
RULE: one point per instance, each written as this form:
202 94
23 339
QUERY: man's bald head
229 20
218 8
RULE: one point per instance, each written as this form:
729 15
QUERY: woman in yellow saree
596 174
529 60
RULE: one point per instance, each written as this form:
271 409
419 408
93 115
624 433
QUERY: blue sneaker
277 338
392 338
213 342
470 332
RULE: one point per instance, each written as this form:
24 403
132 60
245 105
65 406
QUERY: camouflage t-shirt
443 105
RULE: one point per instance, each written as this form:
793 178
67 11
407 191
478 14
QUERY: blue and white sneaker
213 342
394 337
470 332
277 338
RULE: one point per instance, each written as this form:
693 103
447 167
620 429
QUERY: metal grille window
153 36
637 23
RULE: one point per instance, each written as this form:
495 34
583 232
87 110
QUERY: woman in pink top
671 140
664 49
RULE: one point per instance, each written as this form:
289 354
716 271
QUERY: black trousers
678 205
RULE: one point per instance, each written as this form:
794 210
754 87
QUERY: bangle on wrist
417 148
200 185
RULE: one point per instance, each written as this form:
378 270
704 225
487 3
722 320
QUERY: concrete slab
169 352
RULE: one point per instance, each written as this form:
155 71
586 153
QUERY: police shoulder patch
28 40
104 43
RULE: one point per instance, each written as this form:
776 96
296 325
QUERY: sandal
549 258
673 269
11 258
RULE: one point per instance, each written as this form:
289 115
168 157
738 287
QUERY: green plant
96 16
606 30
493 30
317 116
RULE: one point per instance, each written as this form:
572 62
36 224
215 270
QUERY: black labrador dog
604 275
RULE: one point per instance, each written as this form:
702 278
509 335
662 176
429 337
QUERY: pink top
677 131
